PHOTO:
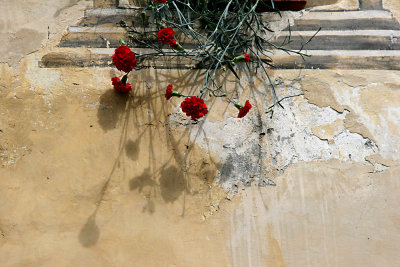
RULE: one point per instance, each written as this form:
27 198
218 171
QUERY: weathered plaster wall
394 6
91 178
25 26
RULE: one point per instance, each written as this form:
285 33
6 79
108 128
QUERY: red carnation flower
246 58
124 59
160 1
168 92
194 107
120 87
173 44
243 110
166 35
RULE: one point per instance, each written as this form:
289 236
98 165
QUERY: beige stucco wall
394 6
26 26
91 178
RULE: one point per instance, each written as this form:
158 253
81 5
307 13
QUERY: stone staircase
368 38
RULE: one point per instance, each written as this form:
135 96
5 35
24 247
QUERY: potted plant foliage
219 36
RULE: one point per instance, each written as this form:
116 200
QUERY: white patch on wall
383 130
252 149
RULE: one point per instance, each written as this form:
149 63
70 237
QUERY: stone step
105 37
342 40
108 17
349 20
365 39
93 37
340 59
318 59
101 57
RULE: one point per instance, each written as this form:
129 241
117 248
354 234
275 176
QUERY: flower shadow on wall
172 183
111 112
111 109
141 122
90 232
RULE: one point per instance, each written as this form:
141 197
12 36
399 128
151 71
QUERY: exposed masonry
262 147
362 39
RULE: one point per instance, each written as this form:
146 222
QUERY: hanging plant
216 35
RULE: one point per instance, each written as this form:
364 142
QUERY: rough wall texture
394 6
91 178
26 26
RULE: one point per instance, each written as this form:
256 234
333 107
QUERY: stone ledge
356 20
101 57
319 59
342 40
340 59
349 20
349 40
105 37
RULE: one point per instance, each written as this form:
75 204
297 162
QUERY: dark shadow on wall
110 113
172 184
167 179
141 118
132 149
141 181
90 232
111 109
122 112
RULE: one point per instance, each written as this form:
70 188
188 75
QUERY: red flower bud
242 58
173 44
243 110
120 86
168 92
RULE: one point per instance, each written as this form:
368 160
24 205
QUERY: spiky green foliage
216 31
